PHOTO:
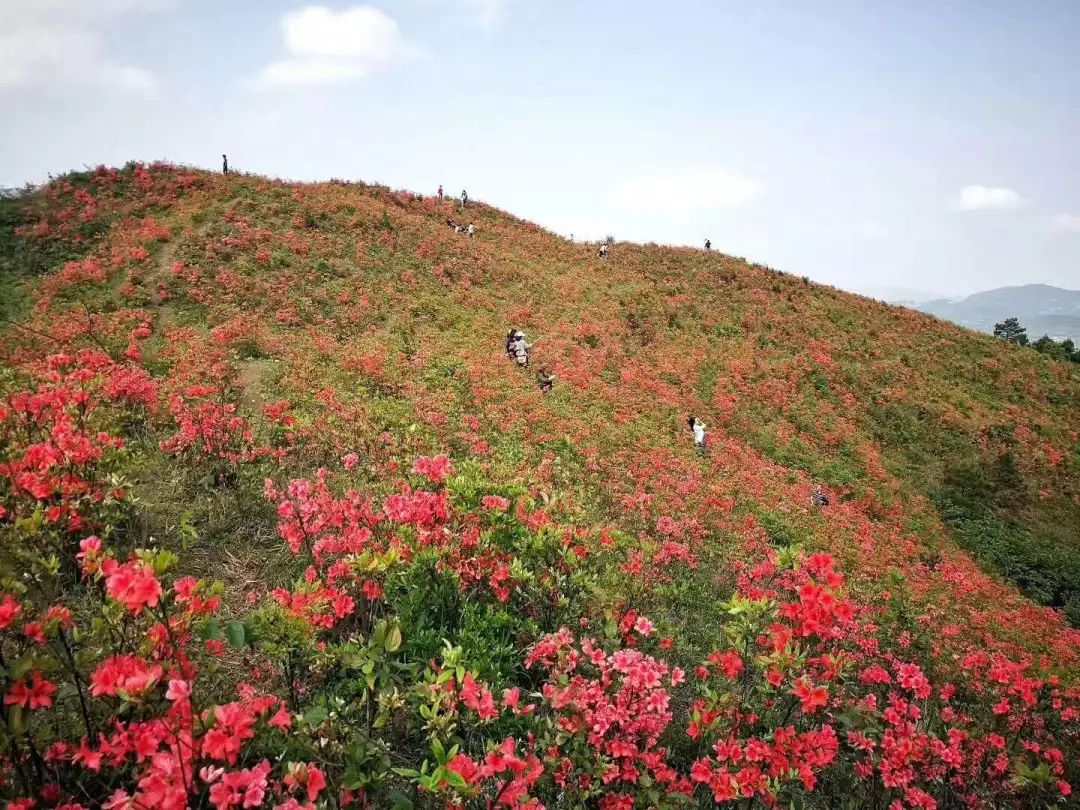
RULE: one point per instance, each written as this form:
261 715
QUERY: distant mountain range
1043 309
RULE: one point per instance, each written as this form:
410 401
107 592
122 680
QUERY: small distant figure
449 222
708 244
470 230
440 191
604 250
545 379
819 497
224 164
571 237
459 229
698 428
464 198
518 349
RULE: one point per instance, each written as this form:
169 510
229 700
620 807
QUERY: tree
1011 330
1070 350
1063 350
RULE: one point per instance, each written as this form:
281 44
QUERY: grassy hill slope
285 327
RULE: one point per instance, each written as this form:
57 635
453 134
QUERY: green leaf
455 779
399 801
352 660
235 632
22 666
315 715
210 629
393 639
15 720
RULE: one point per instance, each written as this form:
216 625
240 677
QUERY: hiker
440 191
510 344
449 222
819 497
519 349
464 198
698 427
604 248
224 164
708 244
545 379
469 230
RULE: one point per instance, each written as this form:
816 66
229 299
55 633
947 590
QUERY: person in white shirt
469 230
518 349
698 427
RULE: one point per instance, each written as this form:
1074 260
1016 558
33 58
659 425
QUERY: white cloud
325 46
1067 222
682 192
59 41
984 198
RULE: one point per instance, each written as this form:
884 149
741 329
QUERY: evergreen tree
1011 330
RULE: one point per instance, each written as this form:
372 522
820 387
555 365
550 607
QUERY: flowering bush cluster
279 529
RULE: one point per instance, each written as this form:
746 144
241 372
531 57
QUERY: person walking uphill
698 428
464 198
440 191
517 349
224 164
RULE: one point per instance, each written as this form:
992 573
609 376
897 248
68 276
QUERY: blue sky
918 145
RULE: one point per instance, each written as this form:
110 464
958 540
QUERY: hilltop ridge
279 328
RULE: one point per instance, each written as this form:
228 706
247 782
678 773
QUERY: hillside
300 391
1043 309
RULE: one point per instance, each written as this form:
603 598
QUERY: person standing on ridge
708 244
224 164
464 198
698 427
440 191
